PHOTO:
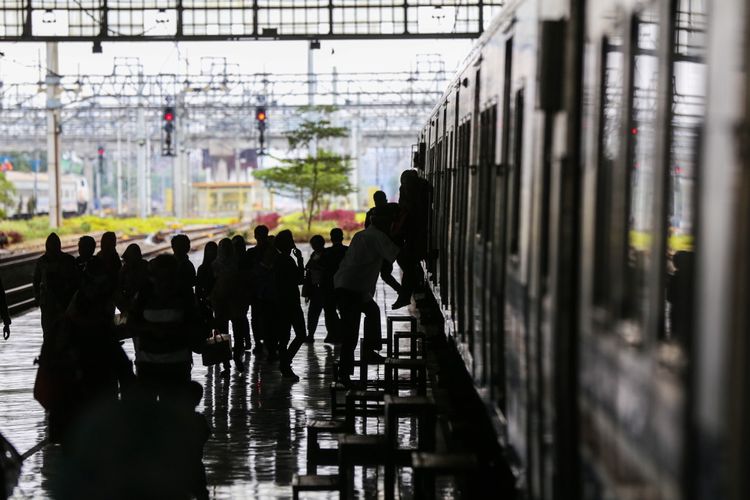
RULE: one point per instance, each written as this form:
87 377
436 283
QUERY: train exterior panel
565 160
29 186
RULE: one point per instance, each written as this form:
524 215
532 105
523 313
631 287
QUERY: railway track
18 270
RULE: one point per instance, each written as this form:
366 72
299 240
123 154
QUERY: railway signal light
100 152
168 119
260 118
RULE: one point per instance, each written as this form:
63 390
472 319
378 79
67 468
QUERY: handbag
217 349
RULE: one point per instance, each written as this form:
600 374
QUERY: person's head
196 393
261 234
317 242
337 235
225 250
180 244
132 254
409 176
210 251
239 244
379 198
53 245
108 242
284 241
163 274
86 246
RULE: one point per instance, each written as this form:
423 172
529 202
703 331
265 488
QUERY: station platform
258 419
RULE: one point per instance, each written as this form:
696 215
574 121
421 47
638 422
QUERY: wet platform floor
258 419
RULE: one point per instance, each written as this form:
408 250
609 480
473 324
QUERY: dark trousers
314 309
412 273
240 330
386 274
285 318
351 306
259 322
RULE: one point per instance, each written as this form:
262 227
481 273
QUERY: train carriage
580 225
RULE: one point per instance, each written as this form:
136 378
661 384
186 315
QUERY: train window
488 129
516 173
642 167
687 118
610 115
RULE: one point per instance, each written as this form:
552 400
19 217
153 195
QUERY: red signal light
168 117
261 116
100 151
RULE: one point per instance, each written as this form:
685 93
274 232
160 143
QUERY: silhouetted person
133 277
204 280
4 312
389 212
55 282
201 431
165 332
86 251
680 295
244 291
259 304
288 275
185 269
355 284
228 301
110 259
411 228
332 257
313 284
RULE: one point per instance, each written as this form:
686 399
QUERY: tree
6 194
316 172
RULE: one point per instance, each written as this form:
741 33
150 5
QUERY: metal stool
369 404
390 320
314 483
427 466
424 409
417 368
322 456
358 449
413 338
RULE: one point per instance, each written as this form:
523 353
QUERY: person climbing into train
165 331
312 286
228 301
55 281
4 314
243 324
253 258
86 251
332 257
185 269
355 283
389 212
411 230
288 274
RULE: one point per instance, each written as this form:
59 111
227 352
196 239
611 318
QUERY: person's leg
222 325
333 322
298 317
240 332
313 313
408 263
256 323
372 334
350 311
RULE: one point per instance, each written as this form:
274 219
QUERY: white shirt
361 265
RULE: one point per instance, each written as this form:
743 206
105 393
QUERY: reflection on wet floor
258 418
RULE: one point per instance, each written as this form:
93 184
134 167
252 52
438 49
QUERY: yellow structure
225 198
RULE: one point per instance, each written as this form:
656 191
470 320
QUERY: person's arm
300 265
387 249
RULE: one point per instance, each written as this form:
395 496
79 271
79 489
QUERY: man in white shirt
355 283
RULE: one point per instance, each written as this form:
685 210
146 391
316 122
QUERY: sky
20 61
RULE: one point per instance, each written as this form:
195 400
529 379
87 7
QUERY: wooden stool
427 466
417 369
369 404
322 456
358 449
314 483
413 338
390 320
424 409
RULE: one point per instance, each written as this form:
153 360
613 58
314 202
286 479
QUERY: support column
354 148
141 172
119 173
53 135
